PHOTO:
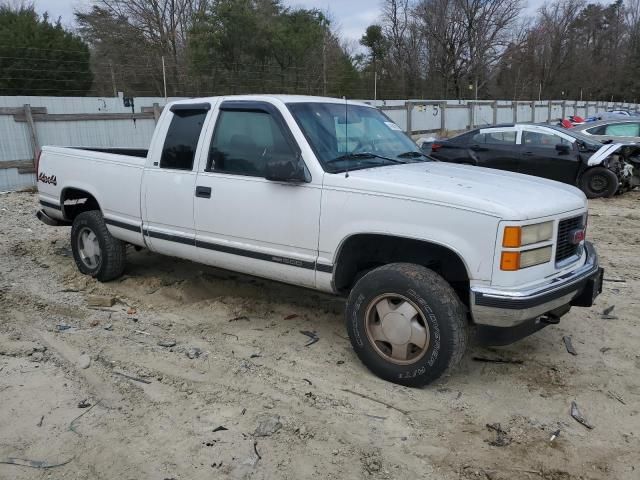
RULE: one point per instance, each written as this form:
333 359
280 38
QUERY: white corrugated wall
15 142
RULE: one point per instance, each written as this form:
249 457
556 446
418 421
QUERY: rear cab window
181 141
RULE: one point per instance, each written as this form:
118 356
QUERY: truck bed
112 176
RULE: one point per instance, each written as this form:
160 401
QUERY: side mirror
286 168
563 149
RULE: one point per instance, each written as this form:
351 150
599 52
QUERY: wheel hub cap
397 329
598 183
89 248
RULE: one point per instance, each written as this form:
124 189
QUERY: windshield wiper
412 154
356 155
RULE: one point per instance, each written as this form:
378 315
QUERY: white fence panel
399 117
425 116
97 133
505 112
483 115
14 140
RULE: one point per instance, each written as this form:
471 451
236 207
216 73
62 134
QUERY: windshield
351 137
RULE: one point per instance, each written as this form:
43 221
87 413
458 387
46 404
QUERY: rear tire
599 182
95 250
406 324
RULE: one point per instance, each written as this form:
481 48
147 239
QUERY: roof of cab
266 97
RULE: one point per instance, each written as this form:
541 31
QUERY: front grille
565 248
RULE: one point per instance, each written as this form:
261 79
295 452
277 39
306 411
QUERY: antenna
346 134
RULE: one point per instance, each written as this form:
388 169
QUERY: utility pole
164 78
113 80
375 85
324 63
540 92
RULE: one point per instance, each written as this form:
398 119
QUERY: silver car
616 130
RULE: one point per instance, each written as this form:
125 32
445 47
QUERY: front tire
598 182
406 324
95 250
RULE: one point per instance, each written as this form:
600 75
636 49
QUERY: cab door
169 182
243 221
549 155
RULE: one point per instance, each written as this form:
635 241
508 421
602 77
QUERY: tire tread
113 250
613 187
439 288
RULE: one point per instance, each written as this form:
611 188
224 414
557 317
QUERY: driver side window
243 141
542 140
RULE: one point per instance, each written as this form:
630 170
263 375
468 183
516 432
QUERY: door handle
203 192
528 154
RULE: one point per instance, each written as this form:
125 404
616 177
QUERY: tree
248 46
631 81
405 56
137 34
466 38
38 57
574 50
377 44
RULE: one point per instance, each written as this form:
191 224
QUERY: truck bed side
67 176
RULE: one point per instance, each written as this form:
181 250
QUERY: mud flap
591 290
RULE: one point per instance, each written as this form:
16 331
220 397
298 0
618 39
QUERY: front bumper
508 308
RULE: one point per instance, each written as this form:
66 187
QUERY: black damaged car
599 170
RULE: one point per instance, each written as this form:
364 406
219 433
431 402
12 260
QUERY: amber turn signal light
512 237
510 261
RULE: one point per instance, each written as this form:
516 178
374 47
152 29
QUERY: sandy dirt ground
196 373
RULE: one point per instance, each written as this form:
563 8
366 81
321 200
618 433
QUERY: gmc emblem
576 236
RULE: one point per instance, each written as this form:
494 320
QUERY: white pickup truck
333 196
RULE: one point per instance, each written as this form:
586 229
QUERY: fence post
472 113
494 105
514 105
409 107
33 134
533 111
156 112
564 109
549 110
443 119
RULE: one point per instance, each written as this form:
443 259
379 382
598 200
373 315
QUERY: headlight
515 237
535 257
511 261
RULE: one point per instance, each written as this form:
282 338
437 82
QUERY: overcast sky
350 16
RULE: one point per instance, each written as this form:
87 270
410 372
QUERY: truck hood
507 195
